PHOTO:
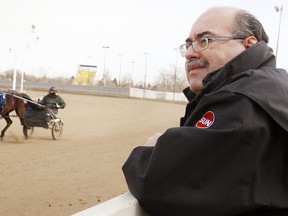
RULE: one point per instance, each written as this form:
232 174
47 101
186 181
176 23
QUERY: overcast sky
73 32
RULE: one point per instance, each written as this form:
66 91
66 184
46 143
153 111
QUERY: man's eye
203 41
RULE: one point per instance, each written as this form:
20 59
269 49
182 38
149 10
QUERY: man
229 157
53 101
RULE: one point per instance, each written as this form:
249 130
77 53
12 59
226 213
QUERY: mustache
195 64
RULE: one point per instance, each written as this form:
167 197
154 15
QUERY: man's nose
191 53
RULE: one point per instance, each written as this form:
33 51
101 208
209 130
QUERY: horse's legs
20 111
8 124
25 128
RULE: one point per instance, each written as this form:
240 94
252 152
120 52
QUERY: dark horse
12 100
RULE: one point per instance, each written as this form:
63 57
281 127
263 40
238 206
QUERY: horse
12 100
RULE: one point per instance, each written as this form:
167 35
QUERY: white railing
123 205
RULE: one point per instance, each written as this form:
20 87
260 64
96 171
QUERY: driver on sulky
53 101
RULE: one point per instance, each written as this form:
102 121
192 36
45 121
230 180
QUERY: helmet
52 90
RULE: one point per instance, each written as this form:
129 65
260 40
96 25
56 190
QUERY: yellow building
85 75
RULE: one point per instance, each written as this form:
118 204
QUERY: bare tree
167 81
127 80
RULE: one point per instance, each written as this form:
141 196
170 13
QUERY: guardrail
102 91
123 205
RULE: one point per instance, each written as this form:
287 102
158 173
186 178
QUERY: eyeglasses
203 43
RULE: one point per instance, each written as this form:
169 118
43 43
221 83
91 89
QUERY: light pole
120 56
146 58
175 74
22 72
132 73
104 72
15 58
278 9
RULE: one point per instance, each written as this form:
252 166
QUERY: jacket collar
259 55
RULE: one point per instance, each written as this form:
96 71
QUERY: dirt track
44 177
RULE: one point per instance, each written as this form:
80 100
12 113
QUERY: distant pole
104 69
132 73
120 56
278 9
22 72
15 59
15 72
145 75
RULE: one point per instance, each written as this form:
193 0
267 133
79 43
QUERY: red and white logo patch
206 121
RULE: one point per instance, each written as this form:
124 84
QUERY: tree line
165 80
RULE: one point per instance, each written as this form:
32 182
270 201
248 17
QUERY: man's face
215 22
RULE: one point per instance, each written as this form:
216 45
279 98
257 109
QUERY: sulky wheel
57 130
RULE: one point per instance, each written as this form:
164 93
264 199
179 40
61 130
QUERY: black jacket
53 102
230 155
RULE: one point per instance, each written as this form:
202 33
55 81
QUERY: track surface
44 177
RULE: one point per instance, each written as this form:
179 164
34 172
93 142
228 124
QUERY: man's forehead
215 21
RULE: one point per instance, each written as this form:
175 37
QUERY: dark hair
247 25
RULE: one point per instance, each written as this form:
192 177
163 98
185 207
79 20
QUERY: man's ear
250 41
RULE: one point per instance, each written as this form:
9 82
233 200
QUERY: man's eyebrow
188 40
200 35
204 33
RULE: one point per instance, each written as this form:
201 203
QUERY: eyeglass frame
209 39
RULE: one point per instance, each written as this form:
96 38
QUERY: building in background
85 75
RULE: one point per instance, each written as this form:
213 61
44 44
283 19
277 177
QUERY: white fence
101 90
123 205
156 95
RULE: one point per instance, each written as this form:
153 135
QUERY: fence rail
101 90
123 205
